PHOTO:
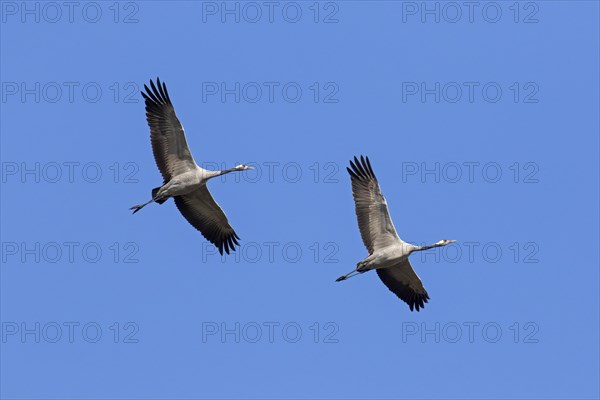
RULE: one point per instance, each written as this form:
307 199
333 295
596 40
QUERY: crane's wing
404 282
204 214
171 151
374 222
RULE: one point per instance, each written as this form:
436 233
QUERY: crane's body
189 181
183 179
388 254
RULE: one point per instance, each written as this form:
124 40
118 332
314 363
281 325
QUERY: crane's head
243 167
445 242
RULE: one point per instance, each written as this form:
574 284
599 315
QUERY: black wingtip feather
156 93
152 85
357 165
166 93
417 302
352 174
225 244
370 167
160 89
355 168
361 169
150 94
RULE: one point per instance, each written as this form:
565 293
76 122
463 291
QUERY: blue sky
481 123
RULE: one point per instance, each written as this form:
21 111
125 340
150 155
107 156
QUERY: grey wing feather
204 214
374 222
404 282
170 148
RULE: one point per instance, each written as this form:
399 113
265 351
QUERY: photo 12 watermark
489 172
270 332
476 252
469 92
69 252
269 92
281 171
275 252
69 92
69 12
29 332
470 12
470 332
270 12
57 172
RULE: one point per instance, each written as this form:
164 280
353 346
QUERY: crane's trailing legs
154 199
140 206
361 267
370 262
349 275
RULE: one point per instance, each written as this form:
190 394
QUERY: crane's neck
226 171
432 246
205 174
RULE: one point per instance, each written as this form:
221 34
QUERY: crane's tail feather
154 192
